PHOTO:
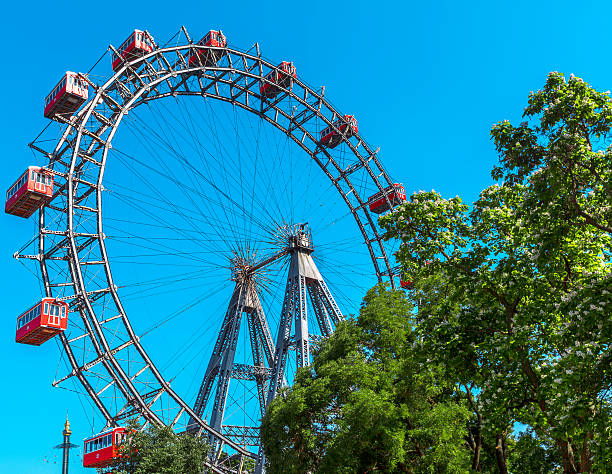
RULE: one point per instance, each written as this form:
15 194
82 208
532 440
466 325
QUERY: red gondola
42 321
347 125
405 284
206 56
102 449
136 46
33 189
396 195
278 78
67 96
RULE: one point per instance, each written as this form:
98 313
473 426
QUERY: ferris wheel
202 207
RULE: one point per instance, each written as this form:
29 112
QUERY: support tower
305 289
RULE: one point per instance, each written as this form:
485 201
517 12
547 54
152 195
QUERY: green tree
514 292
368 403
159 450
562 151
529 453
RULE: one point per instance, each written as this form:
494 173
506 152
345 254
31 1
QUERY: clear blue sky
425 79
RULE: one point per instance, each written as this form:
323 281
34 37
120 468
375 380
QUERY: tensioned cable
263 227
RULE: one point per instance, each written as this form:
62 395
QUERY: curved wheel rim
87 139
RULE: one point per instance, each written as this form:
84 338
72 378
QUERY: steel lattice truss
269 362
245 300
75 267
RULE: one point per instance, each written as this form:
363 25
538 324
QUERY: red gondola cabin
396 195
278 78
42 321
208 57
102 449
33 189
136 46
405 283
67 96
331 138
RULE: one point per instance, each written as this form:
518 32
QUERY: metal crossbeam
130 409
91 364
250 372
242 435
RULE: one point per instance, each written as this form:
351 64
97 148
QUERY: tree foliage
159 450
562 151
367 403
514 292
528 453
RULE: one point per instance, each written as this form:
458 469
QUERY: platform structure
305 289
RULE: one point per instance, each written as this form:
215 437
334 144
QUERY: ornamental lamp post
66 446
